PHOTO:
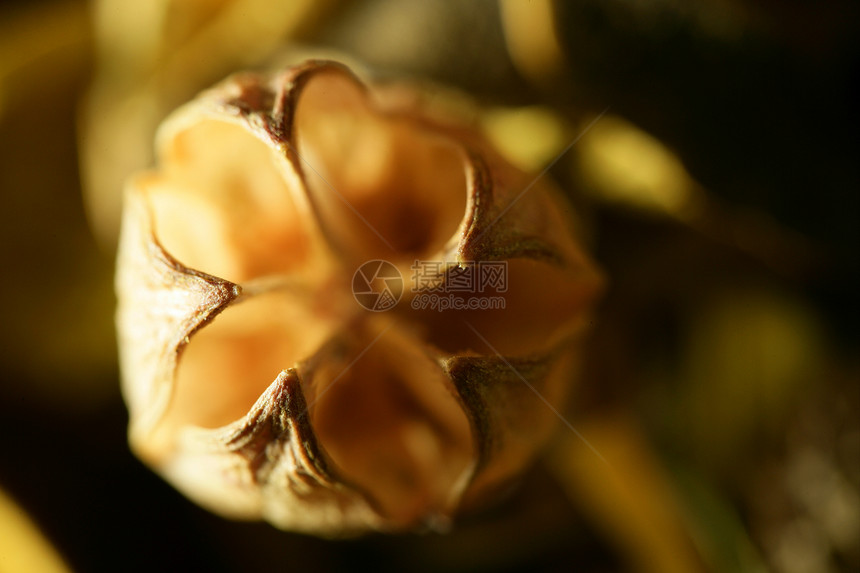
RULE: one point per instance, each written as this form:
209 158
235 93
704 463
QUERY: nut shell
255 382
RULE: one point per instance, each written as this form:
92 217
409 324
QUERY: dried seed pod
260 387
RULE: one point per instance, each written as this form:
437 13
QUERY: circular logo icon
377 285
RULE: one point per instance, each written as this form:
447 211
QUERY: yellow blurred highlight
750 355
531 39
528 137
31 39
623 164
628 497
23 549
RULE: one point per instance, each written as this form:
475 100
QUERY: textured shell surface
257 383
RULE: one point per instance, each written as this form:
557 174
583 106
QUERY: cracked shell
256 383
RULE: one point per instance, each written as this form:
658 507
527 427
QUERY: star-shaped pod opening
238 323
245 204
